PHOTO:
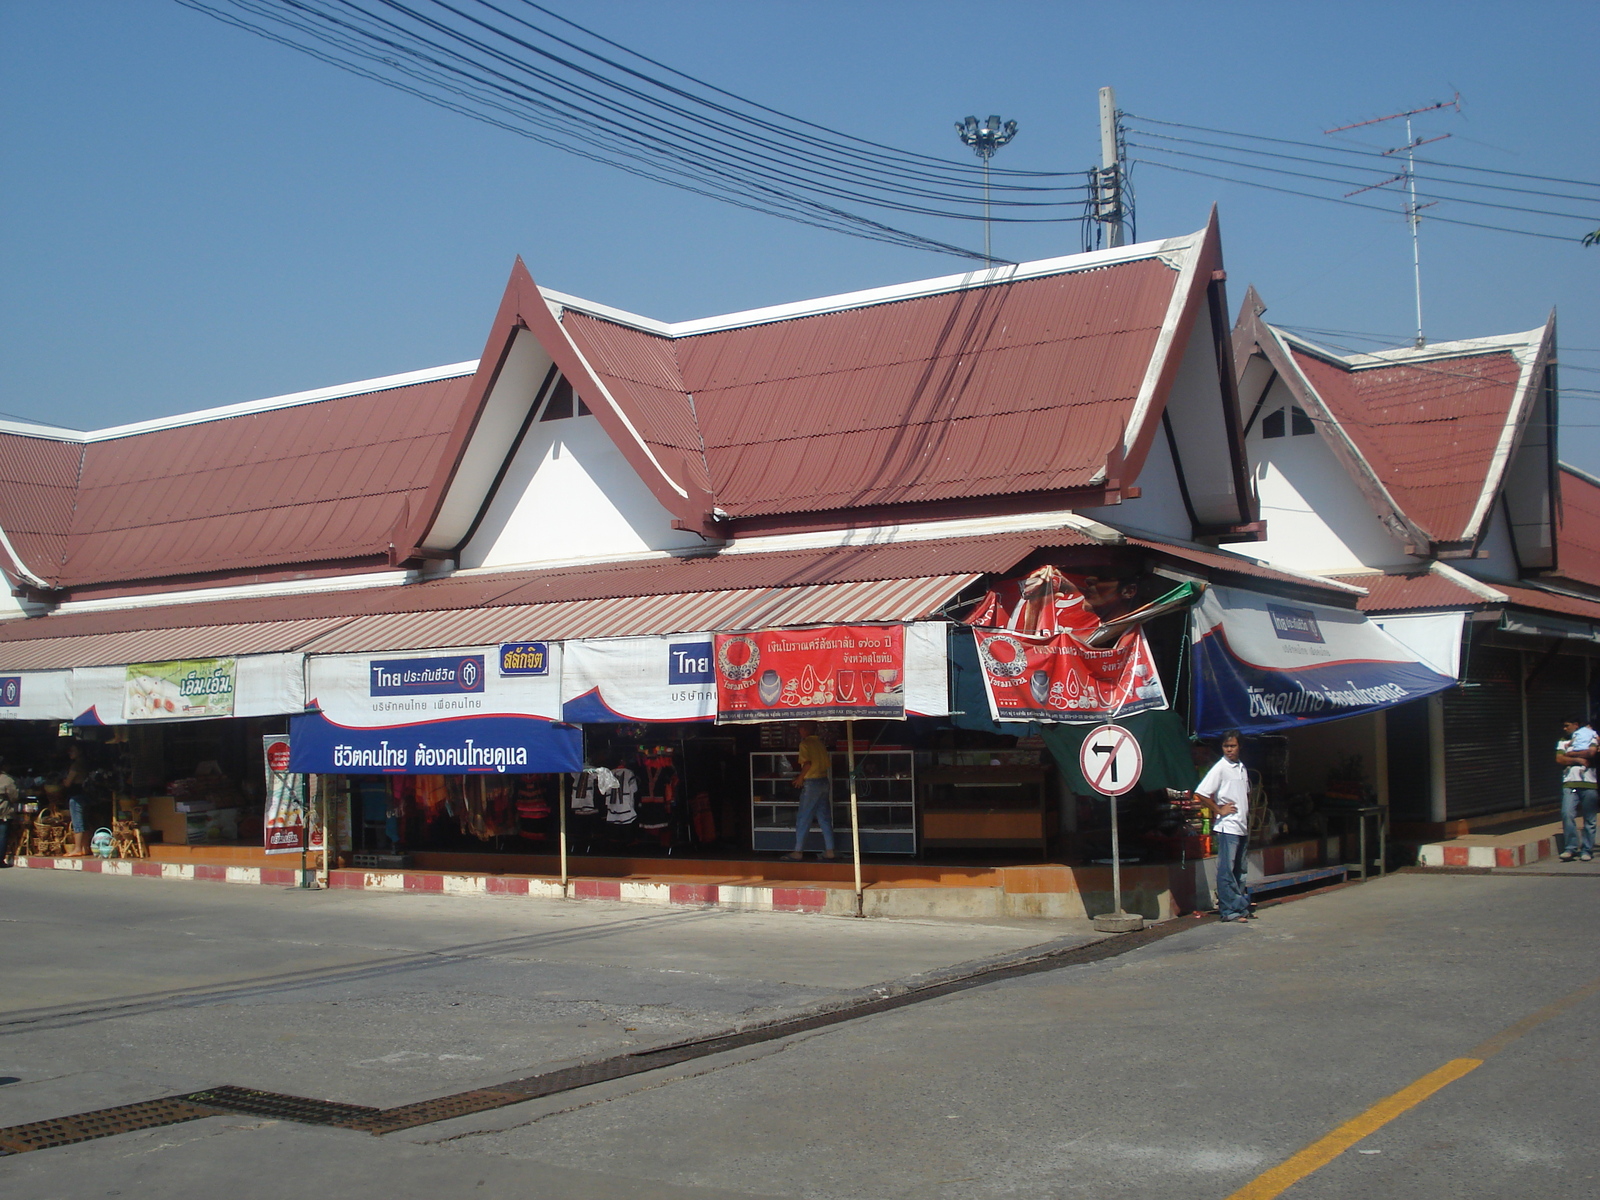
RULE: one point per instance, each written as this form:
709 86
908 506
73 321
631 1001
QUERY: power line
1586 219
1256 137
1550 237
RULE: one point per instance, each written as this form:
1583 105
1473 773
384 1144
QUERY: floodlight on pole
985 139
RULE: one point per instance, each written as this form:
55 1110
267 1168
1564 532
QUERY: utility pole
985 139
1109 211
1407 180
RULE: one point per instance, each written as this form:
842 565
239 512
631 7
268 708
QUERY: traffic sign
1111 760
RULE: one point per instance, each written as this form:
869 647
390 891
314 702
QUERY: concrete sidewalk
1515 849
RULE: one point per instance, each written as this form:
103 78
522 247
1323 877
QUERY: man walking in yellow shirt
816 793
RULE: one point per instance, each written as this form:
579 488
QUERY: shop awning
892 600
163 645
1262 664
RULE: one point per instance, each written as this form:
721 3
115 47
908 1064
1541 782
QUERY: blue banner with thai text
504 745
1262 665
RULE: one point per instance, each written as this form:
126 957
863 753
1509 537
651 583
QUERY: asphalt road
1186 1069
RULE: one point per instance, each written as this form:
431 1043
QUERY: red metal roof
1400 593
1578 528
1222 561
1429 429
1570 606
1009 388
38 483
308 483
1012 387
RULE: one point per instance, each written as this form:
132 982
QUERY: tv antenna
985 139
1407 179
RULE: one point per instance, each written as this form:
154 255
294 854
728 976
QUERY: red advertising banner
810 674
1062 679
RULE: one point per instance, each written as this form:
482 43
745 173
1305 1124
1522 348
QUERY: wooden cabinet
994 807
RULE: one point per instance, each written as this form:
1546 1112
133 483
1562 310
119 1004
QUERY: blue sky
192 216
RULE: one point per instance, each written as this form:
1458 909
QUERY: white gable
570 495
1317 519
1159 506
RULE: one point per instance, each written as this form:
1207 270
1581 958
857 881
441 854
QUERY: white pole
563 822
1116 860
855 825
1111 168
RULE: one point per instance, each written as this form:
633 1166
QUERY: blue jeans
816 804
1573 802
1233 897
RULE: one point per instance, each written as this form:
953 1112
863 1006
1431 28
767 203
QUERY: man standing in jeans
1226 792
1575 755
816 793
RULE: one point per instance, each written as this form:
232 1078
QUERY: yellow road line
1320 1153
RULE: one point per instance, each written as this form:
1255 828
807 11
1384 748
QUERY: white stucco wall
1317 519
568 495
1496 559
1159 508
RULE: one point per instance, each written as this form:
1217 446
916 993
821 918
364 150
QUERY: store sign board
10 691
432 676
197 687
284 826
797 674
1061 679
525 658
1260 666
612 680
384 691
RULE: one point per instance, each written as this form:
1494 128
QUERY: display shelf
885 800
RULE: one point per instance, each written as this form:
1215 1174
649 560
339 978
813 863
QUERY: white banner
265 685
410 687
36 696
1435 638
673 678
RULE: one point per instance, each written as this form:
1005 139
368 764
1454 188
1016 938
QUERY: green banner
196 687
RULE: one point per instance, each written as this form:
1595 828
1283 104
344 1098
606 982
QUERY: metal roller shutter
1554 694
1483 743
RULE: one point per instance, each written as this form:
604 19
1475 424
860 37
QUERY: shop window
561 401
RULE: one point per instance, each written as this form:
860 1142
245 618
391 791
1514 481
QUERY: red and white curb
1446 854
689 895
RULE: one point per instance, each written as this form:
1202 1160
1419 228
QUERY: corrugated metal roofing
1429 430
309 483
1013 387
822 604
1400 593
1238 564
1543 601
38 485
162 645
1578 529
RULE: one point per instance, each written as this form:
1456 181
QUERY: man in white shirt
1226 792
1575 755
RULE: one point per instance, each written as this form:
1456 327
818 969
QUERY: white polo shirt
1228 783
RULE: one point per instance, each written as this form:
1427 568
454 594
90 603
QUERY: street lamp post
985 139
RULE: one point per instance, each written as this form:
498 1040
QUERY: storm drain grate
65 1131
445 1108
104 1122
283 1108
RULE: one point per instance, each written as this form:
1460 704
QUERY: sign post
1112 762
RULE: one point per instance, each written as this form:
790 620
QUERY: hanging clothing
622 806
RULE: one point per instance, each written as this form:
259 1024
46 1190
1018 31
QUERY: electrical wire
1256 137
462 57
1165 166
